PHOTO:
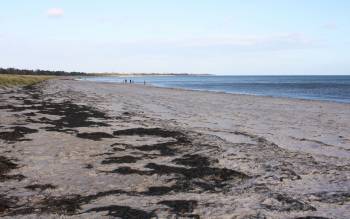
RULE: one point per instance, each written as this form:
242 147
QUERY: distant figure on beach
144 82
130 81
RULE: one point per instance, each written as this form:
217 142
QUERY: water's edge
331 89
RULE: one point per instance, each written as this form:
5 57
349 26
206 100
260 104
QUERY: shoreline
226 92
223 92
90 149
255 95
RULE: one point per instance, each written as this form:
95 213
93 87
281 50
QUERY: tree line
14 71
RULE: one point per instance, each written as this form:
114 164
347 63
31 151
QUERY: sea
326 88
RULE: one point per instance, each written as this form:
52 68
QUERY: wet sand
97 150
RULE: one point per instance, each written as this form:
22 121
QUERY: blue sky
195 36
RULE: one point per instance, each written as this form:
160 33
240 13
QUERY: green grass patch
21 80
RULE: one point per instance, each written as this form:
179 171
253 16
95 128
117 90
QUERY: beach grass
21 80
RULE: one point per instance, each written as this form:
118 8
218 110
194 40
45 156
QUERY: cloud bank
55 12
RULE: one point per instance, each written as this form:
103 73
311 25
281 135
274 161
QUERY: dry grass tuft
21 80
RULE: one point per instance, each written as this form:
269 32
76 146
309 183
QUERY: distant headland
16 71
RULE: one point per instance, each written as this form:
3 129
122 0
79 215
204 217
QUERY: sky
238 37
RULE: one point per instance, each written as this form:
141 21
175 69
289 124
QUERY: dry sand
92 150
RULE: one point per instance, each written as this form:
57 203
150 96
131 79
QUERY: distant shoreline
16 71
144 74
283 87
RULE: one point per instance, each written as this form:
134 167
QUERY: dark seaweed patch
128 171
181 207
17 134
124 212
158 190
66 205
5 203
163 148
89 198
71 115
204 178
89 166
58 205
289 204
123 159
96 136
194 160
208 173
311 217
40 187
149 131
6 165
102 154
18 177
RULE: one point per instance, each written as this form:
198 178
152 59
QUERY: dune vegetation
21 80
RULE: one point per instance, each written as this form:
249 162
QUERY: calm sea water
331 88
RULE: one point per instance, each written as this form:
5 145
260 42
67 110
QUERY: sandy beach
83 149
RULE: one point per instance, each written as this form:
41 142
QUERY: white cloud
55 12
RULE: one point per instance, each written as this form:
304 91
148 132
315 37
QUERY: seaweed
206 178
194 160
71 115
128 171
96 136
17 134
158 190
152 131
18 177
163 148
40 187
166 148
311 217
181 207
123 159
67 205
208 173
5 203
288 204
89 166
124 212
6 165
